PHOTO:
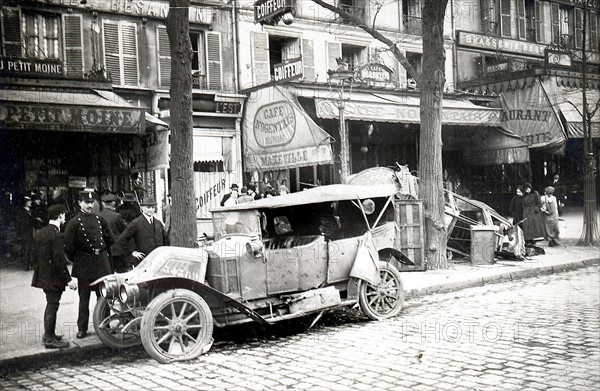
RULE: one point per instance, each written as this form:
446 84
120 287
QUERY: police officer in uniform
87 240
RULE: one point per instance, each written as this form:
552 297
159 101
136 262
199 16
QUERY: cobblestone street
537 333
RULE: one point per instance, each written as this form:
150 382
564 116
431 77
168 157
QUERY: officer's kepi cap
87 195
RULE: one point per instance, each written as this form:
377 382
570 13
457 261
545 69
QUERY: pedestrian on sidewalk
516 207
146 232
50 272
550 213
533 226
87 239
24 224
117 225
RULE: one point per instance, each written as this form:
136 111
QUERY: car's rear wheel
109 324
386 299
176 326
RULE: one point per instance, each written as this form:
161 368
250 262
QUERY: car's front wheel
386 299
176 326
109 323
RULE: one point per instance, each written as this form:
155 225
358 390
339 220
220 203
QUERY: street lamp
342 78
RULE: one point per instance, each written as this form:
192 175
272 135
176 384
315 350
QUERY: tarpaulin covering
528 113
569 100
279 134
485 146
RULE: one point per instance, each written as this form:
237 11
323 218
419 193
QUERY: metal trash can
483 244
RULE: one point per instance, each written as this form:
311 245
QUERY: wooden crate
410 237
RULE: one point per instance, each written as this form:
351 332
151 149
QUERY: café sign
289 70
375 72
274 124
71 118
30 67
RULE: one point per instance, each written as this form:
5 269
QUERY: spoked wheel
384 300
109 324
176 326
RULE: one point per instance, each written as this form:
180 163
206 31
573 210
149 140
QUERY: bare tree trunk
430 154
183 216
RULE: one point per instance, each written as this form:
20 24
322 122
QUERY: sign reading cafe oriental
280 135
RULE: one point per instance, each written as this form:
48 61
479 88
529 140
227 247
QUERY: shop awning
570 103
279 134
68 110
364 106
150 119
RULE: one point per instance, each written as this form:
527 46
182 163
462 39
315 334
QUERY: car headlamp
128 293
108 288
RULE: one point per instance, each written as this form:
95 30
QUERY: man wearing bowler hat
146 231
87 241
234 189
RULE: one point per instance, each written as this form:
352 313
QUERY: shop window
353 7
411 15
121 52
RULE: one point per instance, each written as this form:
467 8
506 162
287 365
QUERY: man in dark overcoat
87 240
50 272
146 231
117 225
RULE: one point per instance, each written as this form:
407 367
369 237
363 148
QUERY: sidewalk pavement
22 307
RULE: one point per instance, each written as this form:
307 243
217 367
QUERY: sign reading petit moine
30 67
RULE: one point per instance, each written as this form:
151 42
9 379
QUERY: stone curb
94 344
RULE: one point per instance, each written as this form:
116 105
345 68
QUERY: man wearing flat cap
117 225
146 231
87 242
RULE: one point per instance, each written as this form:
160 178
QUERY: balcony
567 41
356 11
412 25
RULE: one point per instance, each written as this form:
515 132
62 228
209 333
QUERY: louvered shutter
578 28
112 57
260 48
505 18
130 54
521 19
488 16
555 16
308 60
11 32
334 50
593 41
164 57
539 21
213 60
73 39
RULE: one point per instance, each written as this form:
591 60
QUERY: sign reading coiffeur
274 124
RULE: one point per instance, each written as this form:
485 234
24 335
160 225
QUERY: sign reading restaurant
498 44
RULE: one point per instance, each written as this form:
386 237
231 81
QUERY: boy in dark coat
50 272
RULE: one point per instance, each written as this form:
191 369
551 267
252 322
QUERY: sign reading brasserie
498 44
30 67
288 70
274 124
71 118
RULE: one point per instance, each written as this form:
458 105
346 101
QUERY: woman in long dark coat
516 207
533 226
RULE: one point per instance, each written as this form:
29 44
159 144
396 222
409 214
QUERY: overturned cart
272 259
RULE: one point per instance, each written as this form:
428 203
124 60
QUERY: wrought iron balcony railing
413 25
356 11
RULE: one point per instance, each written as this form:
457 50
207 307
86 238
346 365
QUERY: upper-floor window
121 52
43 36
355 8
411 15
416 60
496 17
206 59
355 55
282 49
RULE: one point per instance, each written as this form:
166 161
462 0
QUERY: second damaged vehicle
270 260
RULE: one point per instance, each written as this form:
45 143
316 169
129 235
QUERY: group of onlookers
97 244
537 215
249 193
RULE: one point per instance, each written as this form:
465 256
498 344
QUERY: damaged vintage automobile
269 260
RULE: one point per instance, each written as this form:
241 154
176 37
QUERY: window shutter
334 50
213 60
112 58
308 60
593 42
578 28
488 16
555 22
130 54
73 39
164 57
260 47
11 32
539 21
505 18
521 19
